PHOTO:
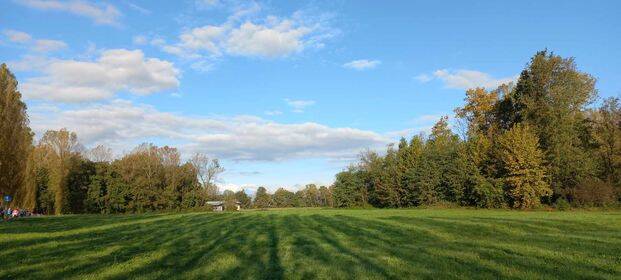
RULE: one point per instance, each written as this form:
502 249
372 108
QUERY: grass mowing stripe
316 244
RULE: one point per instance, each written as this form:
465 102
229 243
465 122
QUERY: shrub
562 204
488 194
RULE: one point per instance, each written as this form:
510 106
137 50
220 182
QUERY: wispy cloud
421 124
39 45
99 13
46 45
139 9
17 36
423 78
362 64
140 40
206 4
465 79
298 106
273 113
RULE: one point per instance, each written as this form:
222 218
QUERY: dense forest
547 139
540 140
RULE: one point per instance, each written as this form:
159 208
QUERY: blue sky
285 93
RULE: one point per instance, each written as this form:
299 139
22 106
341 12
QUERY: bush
594 193
487 193
230 205
562 204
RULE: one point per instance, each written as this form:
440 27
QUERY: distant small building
218 205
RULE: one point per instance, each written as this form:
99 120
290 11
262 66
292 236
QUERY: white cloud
100 13
48 45
206 4
202 38
245 34
275 39
423 78
273 113
114 71
427 119
464 79
41 45
121 124
203 66
29 63
139 9
362 64
17 36
421 124
298 106
140 40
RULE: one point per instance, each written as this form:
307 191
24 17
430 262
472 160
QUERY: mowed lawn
316 243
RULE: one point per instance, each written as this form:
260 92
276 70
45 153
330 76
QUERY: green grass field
315 243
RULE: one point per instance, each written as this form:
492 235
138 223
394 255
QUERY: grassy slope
305 243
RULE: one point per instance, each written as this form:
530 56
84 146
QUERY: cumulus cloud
362 64
206 38
114 71
298 106
121 123
464 79
245 34
274 39
99 13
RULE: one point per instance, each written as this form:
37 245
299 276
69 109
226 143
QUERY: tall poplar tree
62 146
15 135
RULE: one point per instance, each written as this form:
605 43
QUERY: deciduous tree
522 167
15 136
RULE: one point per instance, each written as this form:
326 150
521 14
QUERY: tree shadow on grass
60 257
564 249
302 246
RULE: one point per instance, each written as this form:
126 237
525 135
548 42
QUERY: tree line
309 196
57 175
538 141
62 177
